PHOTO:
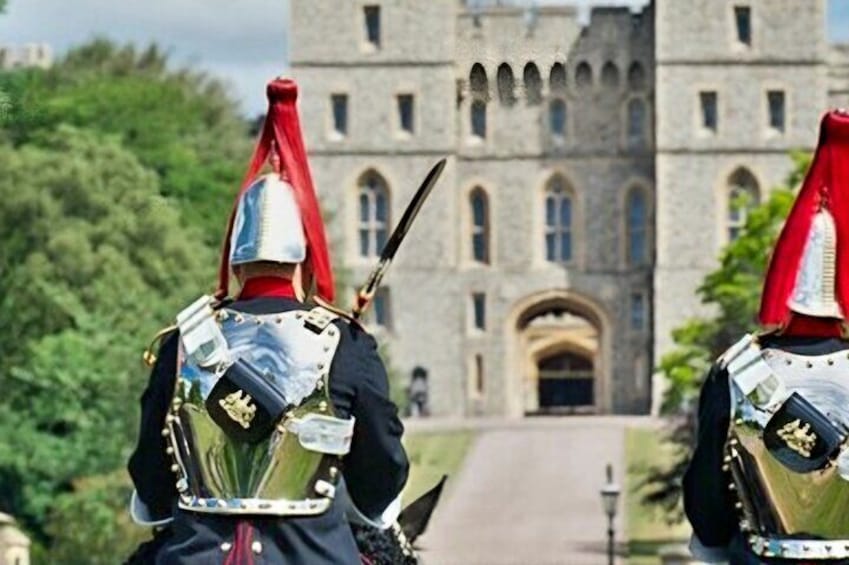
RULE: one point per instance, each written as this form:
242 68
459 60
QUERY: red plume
281 133
826 184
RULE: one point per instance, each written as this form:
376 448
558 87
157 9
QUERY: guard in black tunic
267 424
769 479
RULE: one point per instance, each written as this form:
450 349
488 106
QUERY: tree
179 123
732 293
93 260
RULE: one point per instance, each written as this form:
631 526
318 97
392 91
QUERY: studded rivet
175 468
320 366
170 418
788 361
809 365
831 361
739 421
182 485
319 384
333 472
166 432
727 459
732 486
733 441
258 321
169 450
726 467
738 505
239 318
322 406
331 332
326 348
256 547
279 319
226 546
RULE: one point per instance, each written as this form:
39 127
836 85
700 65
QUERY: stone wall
660 58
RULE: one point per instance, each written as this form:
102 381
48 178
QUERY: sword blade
366 293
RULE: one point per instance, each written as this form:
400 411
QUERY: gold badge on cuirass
798 437
239 408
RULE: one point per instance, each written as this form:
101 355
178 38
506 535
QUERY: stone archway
558 355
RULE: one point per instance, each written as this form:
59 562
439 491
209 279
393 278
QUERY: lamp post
609 499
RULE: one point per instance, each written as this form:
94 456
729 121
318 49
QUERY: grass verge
433 454
648 529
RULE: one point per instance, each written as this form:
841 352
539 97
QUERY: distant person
769 479
266 419
418 393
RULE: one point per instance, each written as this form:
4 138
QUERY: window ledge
475 141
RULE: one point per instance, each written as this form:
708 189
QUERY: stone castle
594 172
28 55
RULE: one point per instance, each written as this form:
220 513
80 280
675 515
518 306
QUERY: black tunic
374 470
708 503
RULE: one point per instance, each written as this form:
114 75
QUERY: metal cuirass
787 451
290 469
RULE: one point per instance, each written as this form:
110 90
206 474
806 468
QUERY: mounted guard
267 423
769 479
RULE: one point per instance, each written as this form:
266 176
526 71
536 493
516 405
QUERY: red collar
808 326
261 287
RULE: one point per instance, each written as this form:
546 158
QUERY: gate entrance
565 380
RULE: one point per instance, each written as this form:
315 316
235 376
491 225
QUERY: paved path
528 494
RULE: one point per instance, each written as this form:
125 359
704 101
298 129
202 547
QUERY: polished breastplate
787 451
292 467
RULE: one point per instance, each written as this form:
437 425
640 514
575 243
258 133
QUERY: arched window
610 75
479 87
637 227
478 83
743 195
374 214
558 221
636 76
506 85
479 204
636 121
533 84
584 75
557 78
557 117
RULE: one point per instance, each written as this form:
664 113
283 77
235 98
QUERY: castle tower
378 100
525 284
739 84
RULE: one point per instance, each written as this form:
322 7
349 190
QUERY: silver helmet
268 225
814 294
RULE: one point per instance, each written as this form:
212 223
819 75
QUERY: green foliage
732 293
93 260
102 529
181 124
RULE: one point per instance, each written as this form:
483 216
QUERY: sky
242 42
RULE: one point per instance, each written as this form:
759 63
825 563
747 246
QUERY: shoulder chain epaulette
149 357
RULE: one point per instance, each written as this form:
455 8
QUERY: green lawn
647 528
433 455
